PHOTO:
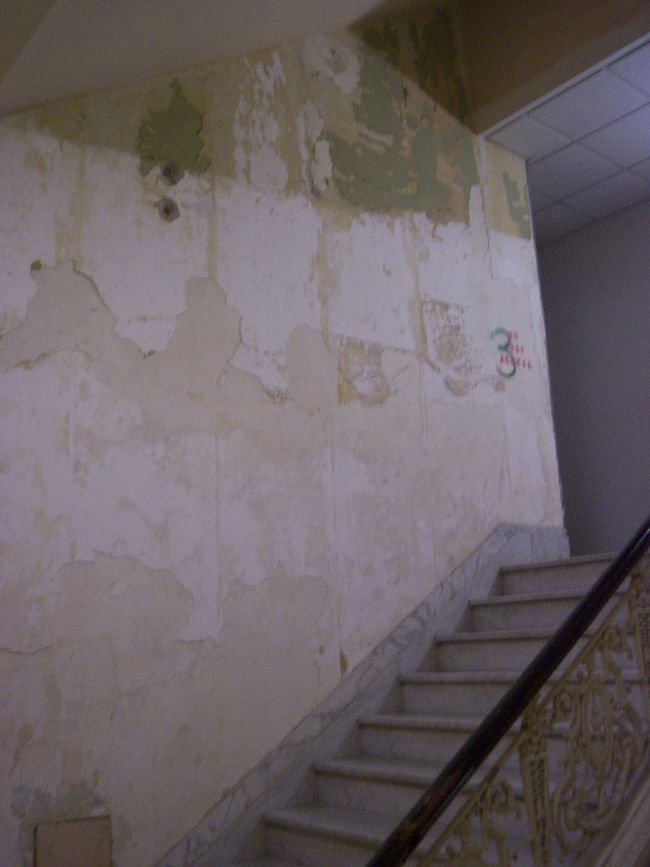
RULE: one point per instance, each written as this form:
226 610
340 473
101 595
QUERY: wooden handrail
419 820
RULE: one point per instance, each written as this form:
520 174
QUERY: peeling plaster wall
243 434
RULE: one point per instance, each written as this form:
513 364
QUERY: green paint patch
400 153
517 205
172 135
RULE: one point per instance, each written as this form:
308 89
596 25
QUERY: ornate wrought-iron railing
561 777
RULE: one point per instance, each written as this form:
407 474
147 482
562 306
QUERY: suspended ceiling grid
587 146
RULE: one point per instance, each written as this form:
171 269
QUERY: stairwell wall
253 408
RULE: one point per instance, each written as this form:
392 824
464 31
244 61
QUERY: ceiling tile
610 195
551 223
590 104
643 168
635 67
568 171
529 138
627 140
538 199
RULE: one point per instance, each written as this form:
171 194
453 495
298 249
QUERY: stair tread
381 769
499 635
462 676
266 862
522 598
466 676
580 560
388 769
337 822
423 721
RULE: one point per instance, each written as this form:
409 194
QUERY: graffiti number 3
507 355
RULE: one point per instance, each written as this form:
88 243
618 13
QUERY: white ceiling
81 46
587 144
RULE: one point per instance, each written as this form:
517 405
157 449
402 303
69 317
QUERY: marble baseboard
231 830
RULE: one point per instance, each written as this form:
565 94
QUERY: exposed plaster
257 130
67 312
332 59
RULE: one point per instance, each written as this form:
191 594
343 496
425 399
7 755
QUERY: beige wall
238 447
516 51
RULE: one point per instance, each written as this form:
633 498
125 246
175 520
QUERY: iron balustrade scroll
562 775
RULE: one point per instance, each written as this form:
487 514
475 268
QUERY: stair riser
435 745
476 698
425 745
316 850
369 796
549 614
535 615
451 698
494 655
575 578
393 797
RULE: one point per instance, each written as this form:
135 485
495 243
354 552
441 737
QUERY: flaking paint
517 205
403 152
237 449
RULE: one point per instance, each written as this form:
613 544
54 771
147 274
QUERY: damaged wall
272 363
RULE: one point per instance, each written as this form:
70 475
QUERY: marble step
458 693
318 836
321 836
372 785
488 650
465 693
415 737
435 739
265 862
525 610
576 574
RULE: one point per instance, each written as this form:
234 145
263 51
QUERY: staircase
357 798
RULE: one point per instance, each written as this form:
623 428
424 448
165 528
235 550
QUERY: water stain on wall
449 348
311 370
361 376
